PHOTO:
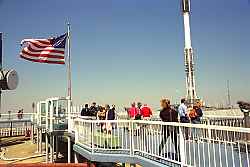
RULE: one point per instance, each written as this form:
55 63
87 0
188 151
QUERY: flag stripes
49 51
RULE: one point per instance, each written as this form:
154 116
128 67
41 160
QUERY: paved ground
21 150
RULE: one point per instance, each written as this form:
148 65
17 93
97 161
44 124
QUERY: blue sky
127 50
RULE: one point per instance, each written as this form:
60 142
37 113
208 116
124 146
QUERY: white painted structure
219 141
188 54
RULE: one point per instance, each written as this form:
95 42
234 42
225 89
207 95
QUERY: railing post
76 134
51 117
182 146
131 125
92 137
208 130
69 150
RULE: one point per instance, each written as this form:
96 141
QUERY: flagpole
69 63
1 66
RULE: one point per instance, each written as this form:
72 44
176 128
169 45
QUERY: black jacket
85 112
169 115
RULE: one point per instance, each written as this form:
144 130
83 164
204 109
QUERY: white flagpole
69 63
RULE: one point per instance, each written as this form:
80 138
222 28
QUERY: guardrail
233 121
16 116
178 143
8 132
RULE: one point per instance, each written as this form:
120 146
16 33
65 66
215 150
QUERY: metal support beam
32 132
46 147
76 157
56 147
1 65
41 140
37 141
51 148
69 149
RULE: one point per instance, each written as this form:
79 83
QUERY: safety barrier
167 142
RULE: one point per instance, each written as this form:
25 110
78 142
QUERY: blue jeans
196 131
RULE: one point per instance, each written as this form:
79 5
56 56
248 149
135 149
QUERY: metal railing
167 142
8 132
233 121
16 116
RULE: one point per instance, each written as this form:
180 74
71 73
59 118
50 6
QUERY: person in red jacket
133 111
146 112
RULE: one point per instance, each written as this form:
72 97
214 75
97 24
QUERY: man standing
182 109
85 110
93 110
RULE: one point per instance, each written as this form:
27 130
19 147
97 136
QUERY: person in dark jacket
167 114
93 110
85 110
111 113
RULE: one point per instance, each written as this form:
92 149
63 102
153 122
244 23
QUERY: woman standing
167 114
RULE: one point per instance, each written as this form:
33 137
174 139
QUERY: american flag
49 51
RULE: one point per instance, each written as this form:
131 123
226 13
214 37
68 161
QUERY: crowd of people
186 114
101 113
139 112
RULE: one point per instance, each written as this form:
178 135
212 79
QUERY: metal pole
76 157
56 147
69 149
46 147
69 62
41 140
188 55
37 140
1 66
11 128
52 148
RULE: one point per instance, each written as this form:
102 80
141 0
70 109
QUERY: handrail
144 138
6 114
188 125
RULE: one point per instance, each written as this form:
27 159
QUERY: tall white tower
188 54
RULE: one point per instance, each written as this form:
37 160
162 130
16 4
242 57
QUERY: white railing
184 144
16 116
232 121
7 132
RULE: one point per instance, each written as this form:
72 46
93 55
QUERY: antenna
228 95
188 54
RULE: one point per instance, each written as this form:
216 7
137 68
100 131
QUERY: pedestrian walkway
138 142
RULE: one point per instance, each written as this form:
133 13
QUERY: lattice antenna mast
188 55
